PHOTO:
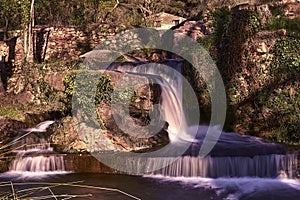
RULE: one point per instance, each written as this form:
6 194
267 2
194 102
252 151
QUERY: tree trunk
25 42
28 32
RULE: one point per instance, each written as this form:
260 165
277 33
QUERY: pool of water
98 186
87 186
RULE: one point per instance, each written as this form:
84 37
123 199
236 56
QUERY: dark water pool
93 186
140 187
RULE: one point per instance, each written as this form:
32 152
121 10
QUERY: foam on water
27 174
237 188
36 158
41 127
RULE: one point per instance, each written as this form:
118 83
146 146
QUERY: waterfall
171 94
34 153
233 155
271 166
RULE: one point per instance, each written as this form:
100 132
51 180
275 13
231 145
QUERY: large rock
55 80
129 129
9 129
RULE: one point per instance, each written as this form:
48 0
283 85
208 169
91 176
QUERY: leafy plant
283 103
81 88
291 25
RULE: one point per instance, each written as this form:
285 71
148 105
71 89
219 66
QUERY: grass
12 112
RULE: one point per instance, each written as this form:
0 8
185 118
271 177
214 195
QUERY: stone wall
55 43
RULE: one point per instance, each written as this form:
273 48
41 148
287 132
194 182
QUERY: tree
27 14
9 16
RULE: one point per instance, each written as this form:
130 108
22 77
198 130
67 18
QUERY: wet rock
64 136
9 129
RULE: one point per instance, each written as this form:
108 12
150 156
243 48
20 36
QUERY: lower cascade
281 166
35 154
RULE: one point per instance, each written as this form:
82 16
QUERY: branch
109 12
145 9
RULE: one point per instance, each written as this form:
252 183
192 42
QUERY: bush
80 87
291 25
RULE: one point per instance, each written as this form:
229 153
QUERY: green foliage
231 38
12 112
71 12
291 25
25 10
209 44
11 14
69 81
254 22
86 95
287 57
276 10
283 103
222 17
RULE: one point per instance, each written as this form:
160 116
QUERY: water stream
238 167
34 155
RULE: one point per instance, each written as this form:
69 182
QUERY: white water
240 188
270 166
232 156
248 168
41 127
36 155
170 81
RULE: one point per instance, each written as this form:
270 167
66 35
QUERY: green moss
291 25
12 112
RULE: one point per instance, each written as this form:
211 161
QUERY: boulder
9 129
125 128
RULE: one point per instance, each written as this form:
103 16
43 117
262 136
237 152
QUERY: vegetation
276 101
12 112
82 93
283 103
15 13
291 25
273 111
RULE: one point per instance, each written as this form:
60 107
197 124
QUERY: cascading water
171 95
232 156
34 153
282 166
